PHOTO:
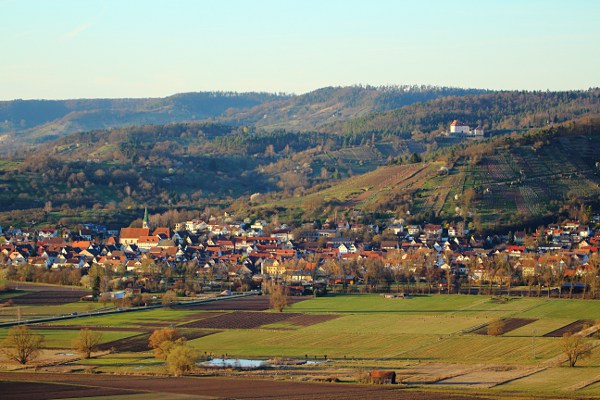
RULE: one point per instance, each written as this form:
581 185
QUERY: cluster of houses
337 251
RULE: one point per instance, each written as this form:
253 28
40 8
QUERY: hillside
337 104
32 121
303 175
503 182
497 112
35 121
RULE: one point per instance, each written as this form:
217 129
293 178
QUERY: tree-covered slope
507 181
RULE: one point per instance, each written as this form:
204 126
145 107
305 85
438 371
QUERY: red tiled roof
134 233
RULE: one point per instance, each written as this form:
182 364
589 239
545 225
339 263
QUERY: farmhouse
458 127
383 377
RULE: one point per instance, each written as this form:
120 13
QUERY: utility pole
533 333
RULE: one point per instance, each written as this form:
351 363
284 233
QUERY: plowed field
140 342
573 327
18 386
510 324
241 320
252 303
46 297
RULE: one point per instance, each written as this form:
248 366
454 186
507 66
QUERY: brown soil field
20 385
252 303
241 320
256 319
45 287
139 343
49 297
573 327
46 294
42 391
510 324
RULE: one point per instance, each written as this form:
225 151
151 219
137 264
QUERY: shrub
181 358
162 340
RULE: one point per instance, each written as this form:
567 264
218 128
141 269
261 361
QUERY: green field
370 331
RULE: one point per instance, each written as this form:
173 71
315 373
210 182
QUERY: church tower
145 220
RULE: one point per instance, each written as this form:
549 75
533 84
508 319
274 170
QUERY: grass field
428 328
369 330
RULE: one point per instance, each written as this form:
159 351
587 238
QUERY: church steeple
145 220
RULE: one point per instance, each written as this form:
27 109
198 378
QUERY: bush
181 358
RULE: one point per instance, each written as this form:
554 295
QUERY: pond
235 363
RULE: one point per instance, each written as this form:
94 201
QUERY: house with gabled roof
132 235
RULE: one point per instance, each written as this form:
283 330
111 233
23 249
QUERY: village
218 254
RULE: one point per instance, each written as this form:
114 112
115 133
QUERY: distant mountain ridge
42 120
330 105
37 121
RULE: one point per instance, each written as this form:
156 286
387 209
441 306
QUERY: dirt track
18 386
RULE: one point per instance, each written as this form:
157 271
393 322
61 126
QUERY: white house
458 127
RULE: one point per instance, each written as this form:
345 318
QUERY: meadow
427 339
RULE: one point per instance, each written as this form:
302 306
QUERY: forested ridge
192 165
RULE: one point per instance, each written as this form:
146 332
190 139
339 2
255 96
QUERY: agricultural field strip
392 182
445 337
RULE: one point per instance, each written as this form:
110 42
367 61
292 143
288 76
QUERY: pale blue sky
57 49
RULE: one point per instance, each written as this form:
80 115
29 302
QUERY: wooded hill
35 121
497 112
509 181
331 105
308 174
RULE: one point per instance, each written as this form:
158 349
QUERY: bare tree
21 344
575 348
169 298
87 342
277 298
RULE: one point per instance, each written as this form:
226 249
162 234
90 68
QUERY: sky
61 49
